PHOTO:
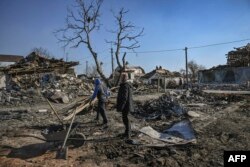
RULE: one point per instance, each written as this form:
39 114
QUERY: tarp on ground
180 133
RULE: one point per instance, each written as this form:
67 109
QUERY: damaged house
162 77
240 57
34 70
35 74
134 72
237 70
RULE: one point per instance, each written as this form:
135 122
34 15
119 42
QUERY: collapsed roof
240 57
161 72
36 63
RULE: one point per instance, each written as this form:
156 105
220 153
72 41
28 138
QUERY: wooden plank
79 109
84 105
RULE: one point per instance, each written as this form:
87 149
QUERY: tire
78 141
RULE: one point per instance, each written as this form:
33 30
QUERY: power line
192 47
155 51
222 43
173 50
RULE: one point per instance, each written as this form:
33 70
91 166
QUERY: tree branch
79 27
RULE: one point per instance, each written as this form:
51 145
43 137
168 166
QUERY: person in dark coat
125 103
101 96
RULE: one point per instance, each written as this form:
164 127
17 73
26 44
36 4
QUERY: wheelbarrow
68 134
58 134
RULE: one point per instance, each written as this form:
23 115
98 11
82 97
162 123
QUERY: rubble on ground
233 87
166 130
178 103
35 77
165 106
168 142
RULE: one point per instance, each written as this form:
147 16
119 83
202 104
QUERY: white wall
5 64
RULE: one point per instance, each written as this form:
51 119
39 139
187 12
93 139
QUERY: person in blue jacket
99 92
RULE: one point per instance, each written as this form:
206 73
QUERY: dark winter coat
124 98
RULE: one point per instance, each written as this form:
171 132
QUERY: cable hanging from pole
192 47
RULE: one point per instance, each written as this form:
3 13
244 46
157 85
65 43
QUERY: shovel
62 153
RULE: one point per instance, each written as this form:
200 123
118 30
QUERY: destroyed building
54 78
162 77
35 68
240 57
134 72
225 75
237 70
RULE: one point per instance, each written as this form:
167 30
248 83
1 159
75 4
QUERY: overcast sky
168 24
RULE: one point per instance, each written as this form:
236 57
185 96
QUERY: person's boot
104 126
127 135
96 120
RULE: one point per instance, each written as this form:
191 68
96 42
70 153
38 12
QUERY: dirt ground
221 126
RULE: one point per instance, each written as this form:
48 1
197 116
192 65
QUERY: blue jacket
99 91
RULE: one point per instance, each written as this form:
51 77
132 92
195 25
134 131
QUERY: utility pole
112 60
87 68
186 66
67 56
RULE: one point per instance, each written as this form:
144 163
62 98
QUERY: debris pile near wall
62 88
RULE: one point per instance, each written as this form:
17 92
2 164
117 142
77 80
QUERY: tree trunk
122 69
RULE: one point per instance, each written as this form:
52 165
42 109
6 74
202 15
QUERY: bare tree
81 24
126 35
193 69
42 52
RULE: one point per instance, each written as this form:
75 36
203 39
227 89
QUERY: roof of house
10 58
137 67
162 72
131 68
37 63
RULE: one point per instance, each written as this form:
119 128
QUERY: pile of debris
35 63
177 104
232 87
40 76
164 106
64 87
16 98
144 89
